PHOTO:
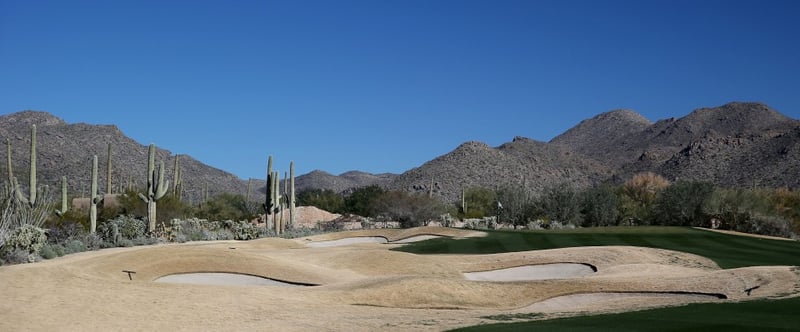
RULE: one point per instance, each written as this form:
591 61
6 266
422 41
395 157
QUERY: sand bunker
222 279
533 272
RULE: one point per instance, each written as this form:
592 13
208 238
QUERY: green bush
74 246
50 251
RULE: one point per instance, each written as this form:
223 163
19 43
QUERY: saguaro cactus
276 197
269 203
31 199
177 179
108 171
291 194
156 188
94 199
64 205
10 168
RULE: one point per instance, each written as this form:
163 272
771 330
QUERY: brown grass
362 287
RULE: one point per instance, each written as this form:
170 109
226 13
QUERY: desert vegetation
645 199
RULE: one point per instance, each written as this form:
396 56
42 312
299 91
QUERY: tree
362 201
600 206
480 202
638 196
560 203
410 210
324 199
681 204
516 205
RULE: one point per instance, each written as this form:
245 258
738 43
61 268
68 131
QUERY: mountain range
734 145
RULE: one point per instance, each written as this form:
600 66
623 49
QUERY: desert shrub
242 230
27 239
65 232
50 251
95 242
17 256
74 246
122 228
410 210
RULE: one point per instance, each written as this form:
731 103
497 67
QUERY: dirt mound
310 216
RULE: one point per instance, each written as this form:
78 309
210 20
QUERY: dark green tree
324 199
480 202
600 206
681 204
362 201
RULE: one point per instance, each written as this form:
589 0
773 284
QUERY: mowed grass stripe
772 315
728 251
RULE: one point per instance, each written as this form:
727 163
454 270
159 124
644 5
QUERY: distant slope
522 161
593 137
342 183
66 150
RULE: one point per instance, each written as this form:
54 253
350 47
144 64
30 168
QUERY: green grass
777 315
728 251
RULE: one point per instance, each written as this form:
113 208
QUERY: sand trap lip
417 238
348 241
223 279
578 302
368 239
533 272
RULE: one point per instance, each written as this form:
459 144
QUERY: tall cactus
156 188
94 199
10 168
108 171
291 194
276 198
31 199
64 205
177 179
269 203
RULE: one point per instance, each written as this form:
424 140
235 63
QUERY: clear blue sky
383 86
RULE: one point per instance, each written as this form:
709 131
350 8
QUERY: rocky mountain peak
30 117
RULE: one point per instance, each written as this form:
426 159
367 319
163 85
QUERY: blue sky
383 86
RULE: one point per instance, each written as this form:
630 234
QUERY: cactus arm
161 186
64 206
17 192
143 197
32 196
10 168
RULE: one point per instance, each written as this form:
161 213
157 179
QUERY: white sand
532 272
221 279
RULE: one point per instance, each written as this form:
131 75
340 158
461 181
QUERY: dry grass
362 287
